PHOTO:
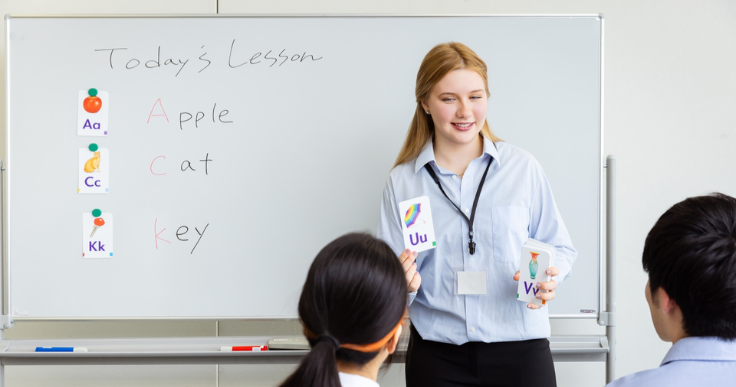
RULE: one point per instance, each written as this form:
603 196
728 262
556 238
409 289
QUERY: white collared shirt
352 380
516 204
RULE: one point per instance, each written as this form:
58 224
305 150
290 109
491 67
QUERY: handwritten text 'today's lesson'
123 58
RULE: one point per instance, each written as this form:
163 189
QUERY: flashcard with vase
536 258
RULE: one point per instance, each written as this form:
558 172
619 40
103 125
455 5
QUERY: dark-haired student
352 307
690 255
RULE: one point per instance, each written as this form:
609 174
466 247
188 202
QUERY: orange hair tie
373 347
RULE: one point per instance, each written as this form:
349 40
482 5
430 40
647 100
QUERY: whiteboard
316 111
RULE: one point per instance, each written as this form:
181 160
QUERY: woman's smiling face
458 105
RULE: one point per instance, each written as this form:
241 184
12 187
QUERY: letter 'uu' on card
416 224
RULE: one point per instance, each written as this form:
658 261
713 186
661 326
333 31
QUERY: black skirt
507 364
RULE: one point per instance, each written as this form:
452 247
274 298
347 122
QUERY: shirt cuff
412 296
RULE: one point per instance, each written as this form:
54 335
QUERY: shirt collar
427 154
356 380
701 348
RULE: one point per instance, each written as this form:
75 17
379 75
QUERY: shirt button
466 210
454 177
472 329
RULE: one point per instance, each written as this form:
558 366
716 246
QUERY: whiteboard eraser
288 342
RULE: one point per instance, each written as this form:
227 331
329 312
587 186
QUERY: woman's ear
394 341
425 106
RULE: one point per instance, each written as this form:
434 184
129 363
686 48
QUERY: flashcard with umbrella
417 224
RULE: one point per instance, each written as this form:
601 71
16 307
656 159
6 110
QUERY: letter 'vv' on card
536 258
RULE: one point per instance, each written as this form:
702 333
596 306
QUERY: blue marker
60 349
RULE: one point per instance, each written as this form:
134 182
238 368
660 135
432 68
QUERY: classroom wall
669 95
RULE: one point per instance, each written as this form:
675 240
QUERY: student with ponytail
352 308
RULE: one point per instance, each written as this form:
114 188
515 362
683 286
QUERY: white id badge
471 282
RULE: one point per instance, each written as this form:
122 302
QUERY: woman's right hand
408 262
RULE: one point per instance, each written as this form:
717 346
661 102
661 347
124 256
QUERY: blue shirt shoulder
692 361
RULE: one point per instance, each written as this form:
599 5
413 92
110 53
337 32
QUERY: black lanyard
471 244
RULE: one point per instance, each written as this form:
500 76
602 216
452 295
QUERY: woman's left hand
549 286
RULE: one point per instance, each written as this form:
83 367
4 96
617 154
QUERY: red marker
246 348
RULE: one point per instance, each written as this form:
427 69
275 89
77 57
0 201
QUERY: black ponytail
355 293
318 368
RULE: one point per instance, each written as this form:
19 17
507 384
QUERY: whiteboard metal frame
607 342
604 202
289 15
4 315
5 310
609 317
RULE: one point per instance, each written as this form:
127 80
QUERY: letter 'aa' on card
536 258
92 113
416 223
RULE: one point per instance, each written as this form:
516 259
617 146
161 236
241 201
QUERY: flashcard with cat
97 233
94 171
92 113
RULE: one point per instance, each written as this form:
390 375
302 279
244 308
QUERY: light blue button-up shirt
692 361
515 204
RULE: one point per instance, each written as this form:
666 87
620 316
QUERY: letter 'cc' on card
93 170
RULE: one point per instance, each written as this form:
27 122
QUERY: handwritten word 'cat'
181 234
185 166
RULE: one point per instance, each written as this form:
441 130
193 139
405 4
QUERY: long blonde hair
438 62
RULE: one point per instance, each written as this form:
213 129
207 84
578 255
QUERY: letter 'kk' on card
416 224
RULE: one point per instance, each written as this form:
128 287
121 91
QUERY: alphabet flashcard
536 258
92 113
94 170
97 233
416 223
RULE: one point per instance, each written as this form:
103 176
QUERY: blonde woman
487 198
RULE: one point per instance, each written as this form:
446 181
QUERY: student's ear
394 341
425 106
668 304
